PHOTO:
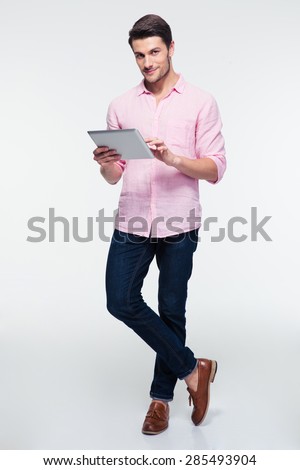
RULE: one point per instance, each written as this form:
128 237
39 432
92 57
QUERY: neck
164 84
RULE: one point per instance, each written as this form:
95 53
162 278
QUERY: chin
152 79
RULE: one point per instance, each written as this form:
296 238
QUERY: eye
155 52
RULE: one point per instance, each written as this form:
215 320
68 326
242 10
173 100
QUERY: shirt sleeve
112 123
209 139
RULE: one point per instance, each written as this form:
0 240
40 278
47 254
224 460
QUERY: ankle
192 380
160 401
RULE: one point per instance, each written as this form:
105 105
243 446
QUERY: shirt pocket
181 136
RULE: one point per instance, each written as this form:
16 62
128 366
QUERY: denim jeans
128 263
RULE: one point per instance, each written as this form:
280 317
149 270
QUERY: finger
152 147
108 153
153 140
111 153
100 150
156 143
107 159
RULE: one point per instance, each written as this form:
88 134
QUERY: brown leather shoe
206 373
157 418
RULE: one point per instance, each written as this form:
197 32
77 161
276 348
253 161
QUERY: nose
148 62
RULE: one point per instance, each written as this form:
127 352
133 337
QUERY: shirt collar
179 86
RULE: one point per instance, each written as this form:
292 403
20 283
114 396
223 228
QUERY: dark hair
151 25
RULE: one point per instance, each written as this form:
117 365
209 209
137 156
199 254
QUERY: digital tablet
127 142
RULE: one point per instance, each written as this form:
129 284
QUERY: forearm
200 168
111 173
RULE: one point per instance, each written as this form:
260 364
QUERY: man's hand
105 156
198 168
161 151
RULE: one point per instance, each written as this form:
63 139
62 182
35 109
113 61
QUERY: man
159 212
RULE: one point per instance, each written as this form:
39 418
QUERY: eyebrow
152 50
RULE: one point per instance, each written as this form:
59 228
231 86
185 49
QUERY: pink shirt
155 197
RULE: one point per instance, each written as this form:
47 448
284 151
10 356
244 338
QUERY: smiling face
153 58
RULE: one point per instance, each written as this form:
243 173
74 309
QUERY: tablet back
127 142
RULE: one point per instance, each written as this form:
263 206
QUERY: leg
128 263
175 260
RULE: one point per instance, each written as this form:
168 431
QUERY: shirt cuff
220 161
121 164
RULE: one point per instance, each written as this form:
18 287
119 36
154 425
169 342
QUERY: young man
159 212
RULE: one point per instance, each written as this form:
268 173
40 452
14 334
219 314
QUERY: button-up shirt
157 200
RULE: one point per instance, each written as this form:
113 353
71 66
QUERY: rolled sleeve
209 138
112 123
121 164
221 163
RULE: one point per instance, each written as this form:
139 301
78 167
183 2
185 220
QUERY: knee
117 306
113 305
124 308
172 312
171 306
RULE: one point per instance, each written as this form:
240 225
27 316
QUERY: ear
171 49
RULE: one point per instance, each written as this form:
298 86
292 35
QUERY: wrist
176 161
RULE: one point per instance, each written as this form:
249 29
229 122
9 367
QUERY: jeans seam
130 308
138 264
133 277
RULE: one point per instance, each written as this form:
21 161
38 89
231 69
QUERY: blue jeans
128 263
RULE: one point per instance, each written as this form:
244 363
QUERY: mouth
149 72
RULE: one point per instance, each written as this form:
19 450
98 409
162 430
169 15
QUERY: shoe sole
214 368
153 433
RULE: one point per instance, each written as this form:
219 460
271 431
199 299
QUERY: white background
72 377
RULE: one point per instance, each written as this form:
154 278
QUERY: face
153 57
